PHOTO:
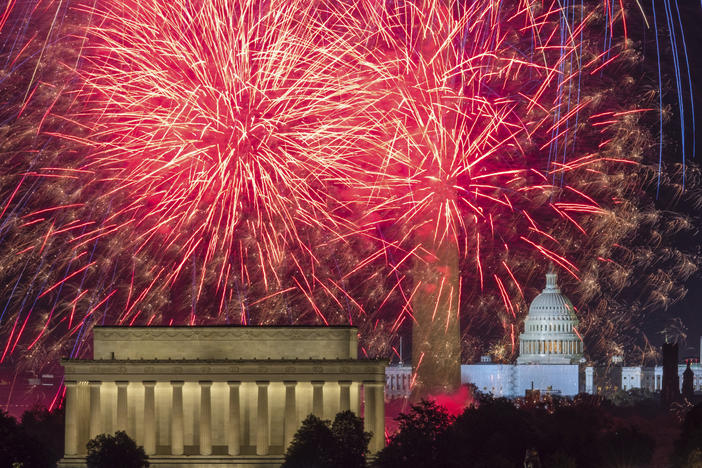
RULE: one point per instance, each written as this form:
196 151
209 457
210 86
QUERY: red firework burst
405 161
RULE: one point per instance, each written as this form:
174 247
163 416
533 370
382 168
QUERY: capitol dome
550 329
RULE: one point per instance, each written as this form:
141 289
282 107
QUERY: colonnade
374 412
398 381
550 347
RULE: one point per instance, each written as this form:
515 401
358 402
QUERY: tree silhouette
47 427
322 444
416 443
351 440
118 451
688 446
18 447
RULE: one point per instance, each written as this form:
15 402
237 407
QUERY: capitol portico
217 396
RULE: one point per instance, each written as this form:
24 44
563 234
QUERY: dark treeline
36 441
586 431
583 432
496 433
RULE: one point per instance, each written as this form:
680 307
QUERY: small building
651 377
220 395
647 378
398 381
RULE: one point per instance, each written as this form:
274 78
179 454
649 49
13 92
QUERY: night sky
669 199
690 308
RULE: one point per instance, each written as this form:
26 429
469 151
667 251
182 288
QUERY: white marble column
379 440
345 394
205 418
72 419
177 417
233 423
368 409
95 410
262 419
149 417
318 398
291 422
374 414
121 406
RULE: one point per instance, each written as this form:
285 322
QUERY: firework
408 164
204 152
484 168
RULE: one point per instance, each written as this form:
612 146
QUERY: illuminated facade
550 352
550 360
651 378
549 329
217 396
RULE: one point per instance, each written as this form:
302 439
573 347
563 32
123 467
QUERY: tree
639 397
694 459
417 441
351 440
626 447
312 445
689 443
472 437
47 427
118 451
580 440
560 459
19 448
322 444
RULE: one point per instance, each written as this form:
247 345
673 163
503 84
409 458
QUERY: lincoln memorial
220 396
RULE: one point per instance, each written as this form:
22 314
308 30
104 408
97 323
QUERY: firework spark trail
242 119
465 122
462 148
222 146
226 126
238 160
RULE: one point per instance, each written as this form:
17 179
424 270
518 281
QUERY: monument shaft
436 347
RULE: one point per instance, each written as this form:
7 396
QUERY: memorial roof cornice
224 361
225 370
236 326
226 333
